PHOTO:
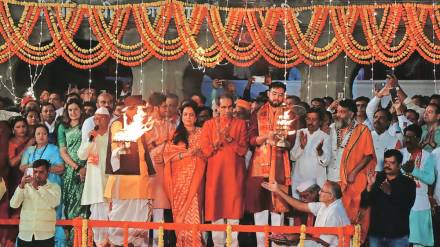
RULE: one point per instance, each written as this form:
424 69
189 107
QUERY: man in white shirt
38 199
312 152
329 211
95 152
382 138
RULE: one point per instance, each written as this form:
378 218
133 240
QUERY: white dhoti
219 238
158 216
130 210
261 219
100 211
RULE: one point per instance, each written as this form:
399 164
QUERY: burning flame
133 131
284 121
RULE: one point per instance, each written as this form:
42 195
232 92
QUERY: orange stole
182 179
359 146
266 158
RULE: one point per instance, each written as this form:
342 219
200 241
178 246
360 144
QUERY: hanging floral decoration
375 42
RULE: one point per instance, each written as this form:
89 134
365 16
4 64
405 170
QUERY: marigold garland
261 25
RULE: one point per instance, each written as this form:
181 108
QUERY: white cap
102 111
305 185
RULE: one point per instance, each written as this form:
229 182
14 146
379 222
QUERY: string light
117 61
141 81
328 43
90 48
347 13
285 40
309 84
394 37
12 91
241 24
34 77
162 71
372 78
433 41
372 59
309 77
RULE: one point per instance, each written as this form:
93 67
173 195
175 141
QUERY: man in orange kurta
353 157
224 143
131 195
268 163
156 138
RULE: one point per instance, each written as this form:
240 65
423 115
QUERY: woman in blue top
44 150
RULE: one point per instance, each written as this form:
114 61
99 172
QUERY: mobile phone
30 172
379 86
258 79
393 94
222 83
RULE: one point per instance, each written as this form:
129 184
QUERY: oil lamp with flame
132 132
283 129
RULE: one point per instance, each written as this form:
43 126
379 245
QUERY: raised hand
319 148
408 166
386 187
302 139
371 179
216 83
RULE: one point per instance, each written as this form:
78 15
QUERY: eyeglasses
328 192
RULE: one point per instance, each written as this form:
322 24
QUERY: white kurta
332 215
436 154
96 178
382 143
308 164
422 199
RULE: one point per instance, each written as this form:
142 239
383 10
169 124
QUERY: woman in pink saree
184 174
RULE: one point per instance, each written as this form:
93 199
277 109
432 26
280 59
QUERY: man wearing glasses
329 211
269 162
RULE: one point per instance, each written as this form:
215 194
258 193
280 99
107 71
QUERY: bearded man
353 157
269 162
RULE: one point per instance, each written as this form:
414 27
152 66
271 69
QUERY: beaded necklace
342 142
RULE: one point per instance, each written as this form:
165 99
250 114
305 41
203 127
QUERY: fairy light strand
117 60
36 74
372 59
241 24
309 75
328 43
162 70
90 48
347 13
141 81
309 84
434 64
285 40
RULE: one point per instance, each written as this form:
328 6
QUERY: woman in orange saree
183 176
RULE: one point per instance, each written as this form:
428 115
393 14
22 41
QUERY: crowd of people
328 164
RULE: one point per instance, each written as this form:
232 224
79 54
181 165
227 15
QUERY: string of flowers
261 26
